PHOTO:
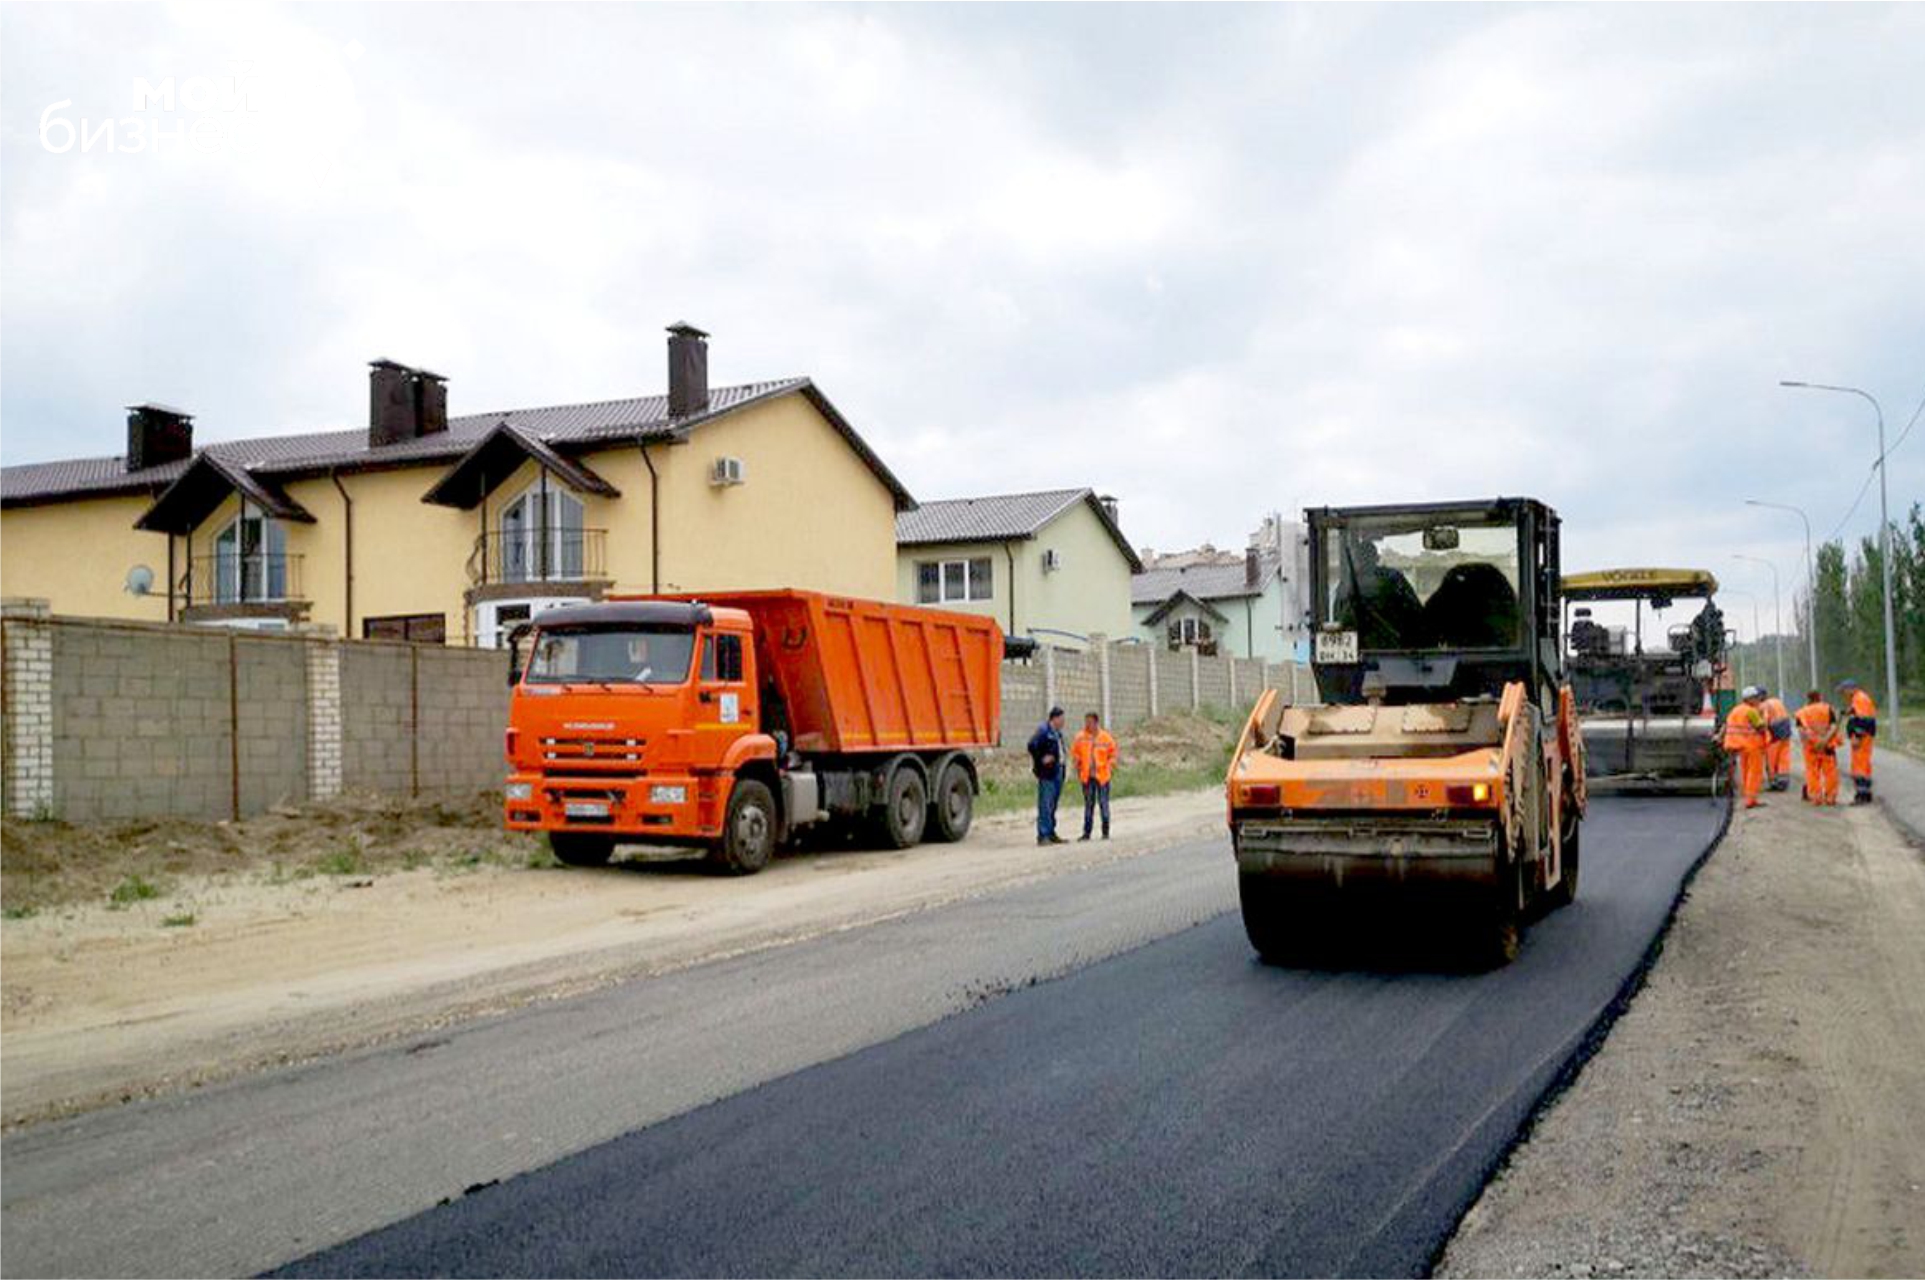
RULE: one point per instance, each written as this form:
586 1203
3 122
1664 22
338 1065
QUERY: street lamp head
1787 382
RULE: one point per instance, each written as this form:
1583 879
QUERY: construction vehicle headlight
668 795
519 791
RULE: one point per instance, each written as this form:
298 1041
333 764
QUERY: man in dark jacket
1046 762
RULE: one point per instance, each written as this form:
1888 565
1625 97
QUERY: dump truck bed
860 676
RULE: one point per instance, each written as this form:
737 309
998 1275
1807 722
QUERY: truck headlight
519 791
668 795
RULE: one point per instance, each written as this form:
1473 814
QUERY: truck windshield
611 655
1423 582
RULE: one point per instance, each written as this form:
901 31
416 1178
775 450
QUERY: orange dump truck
732 721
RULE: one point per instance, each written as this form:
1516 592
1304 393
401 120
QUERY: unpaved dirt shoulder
102 1005
1757 1109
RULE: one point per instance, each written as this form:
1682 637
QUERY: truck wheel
1503 928
581 848
905 809
1277 933
1565 891
954 806
748 832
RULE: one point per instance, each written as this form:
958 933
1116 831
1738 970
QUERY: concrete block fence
102 719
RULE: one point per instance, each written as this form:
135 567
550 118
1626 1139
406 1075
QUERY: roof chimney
404 403
1251 568
157 434
688 370
1108 503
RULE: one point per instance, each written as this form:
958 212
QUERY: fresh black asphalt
1177 1110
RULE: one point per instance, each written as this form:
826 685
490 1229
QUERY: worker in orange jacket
1094 755
1777 742
1744 739
1861 726
1818 731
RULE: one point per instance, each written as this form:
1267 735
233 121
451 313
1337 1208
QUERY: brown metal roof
203 485
497 456
567 429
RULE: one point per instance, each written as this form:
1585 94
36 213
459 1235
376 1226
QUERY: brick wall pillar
1049 677
28 655
1196 680
1149 652
1100 646
323 719
1232 664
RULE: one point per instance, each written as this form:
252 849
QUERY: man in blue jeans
1046 762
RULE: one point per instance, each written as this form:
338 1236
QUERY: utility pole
1884 547
1811 586
1777 619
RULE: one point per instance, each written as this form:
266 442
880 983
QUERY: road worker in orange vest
1818 731
1777 742
1861 726
1094 755
1744 739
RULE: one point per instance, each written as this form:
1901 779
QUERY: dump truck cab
1441 766
1649 713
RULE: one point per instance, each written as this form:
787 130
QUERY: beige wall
76 555
1090 594
810 514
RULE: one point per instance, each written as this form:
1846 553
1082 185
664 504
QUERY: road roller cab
1441 768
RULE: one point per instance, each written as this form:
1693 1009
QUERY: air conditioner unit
727 471
1052 560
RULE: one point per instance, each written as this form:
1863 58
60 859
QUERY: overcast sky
1215 261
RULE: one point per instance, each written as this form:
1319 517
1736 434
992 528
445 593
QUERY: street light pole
1757 634
1811 585
1777 619
1884 545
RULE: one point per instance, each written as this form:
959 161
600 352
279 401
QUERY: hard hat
1751 691
1848 683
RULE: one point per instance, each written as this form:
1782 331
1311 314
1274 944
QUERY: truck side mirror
515 638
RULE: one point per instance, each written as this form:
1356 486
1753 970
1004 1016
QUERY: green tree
1834 614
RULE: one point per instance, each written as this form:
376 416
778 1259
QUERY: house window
422 628
955 581
541 537
250 560
1189 632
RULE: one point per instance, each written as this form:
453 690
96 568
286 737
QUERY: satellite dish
140 580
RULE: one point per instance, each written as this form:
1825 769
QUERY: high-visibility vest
1820 724
1094 755
1744 728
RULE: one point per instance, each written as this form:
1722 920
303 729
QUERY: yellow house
1053 566
432 527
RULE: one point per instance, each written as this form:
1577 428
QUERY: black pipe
654 522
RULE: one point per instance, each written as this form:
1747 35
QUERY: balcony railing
255 578
537 555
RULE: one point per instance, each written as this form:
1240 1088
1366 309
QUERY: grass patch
1185 751
25 912
185 920
131 890
341 862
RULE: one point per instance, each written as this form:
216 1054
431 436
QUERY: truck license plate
586 808
1336 646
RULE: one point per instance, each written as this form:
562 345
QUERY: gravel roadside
1756 1110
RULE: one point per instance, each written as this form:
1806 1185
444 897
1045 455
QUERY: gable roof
1001 517
203 484
1177 600
1200 581
574 428
497 456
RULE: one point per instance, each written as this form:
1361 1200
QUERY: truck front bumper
659 807
1369 851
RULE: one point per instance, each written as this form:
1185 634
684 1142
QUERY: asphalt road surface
912 1097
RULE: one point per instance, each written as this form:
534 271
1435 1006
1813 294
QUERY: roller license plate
586 808
1336 646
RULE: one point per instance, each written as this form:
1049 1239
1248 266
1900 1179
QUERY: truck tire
581 848
1503 928
1277 932
1564 892
954 805
905 808
748 831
